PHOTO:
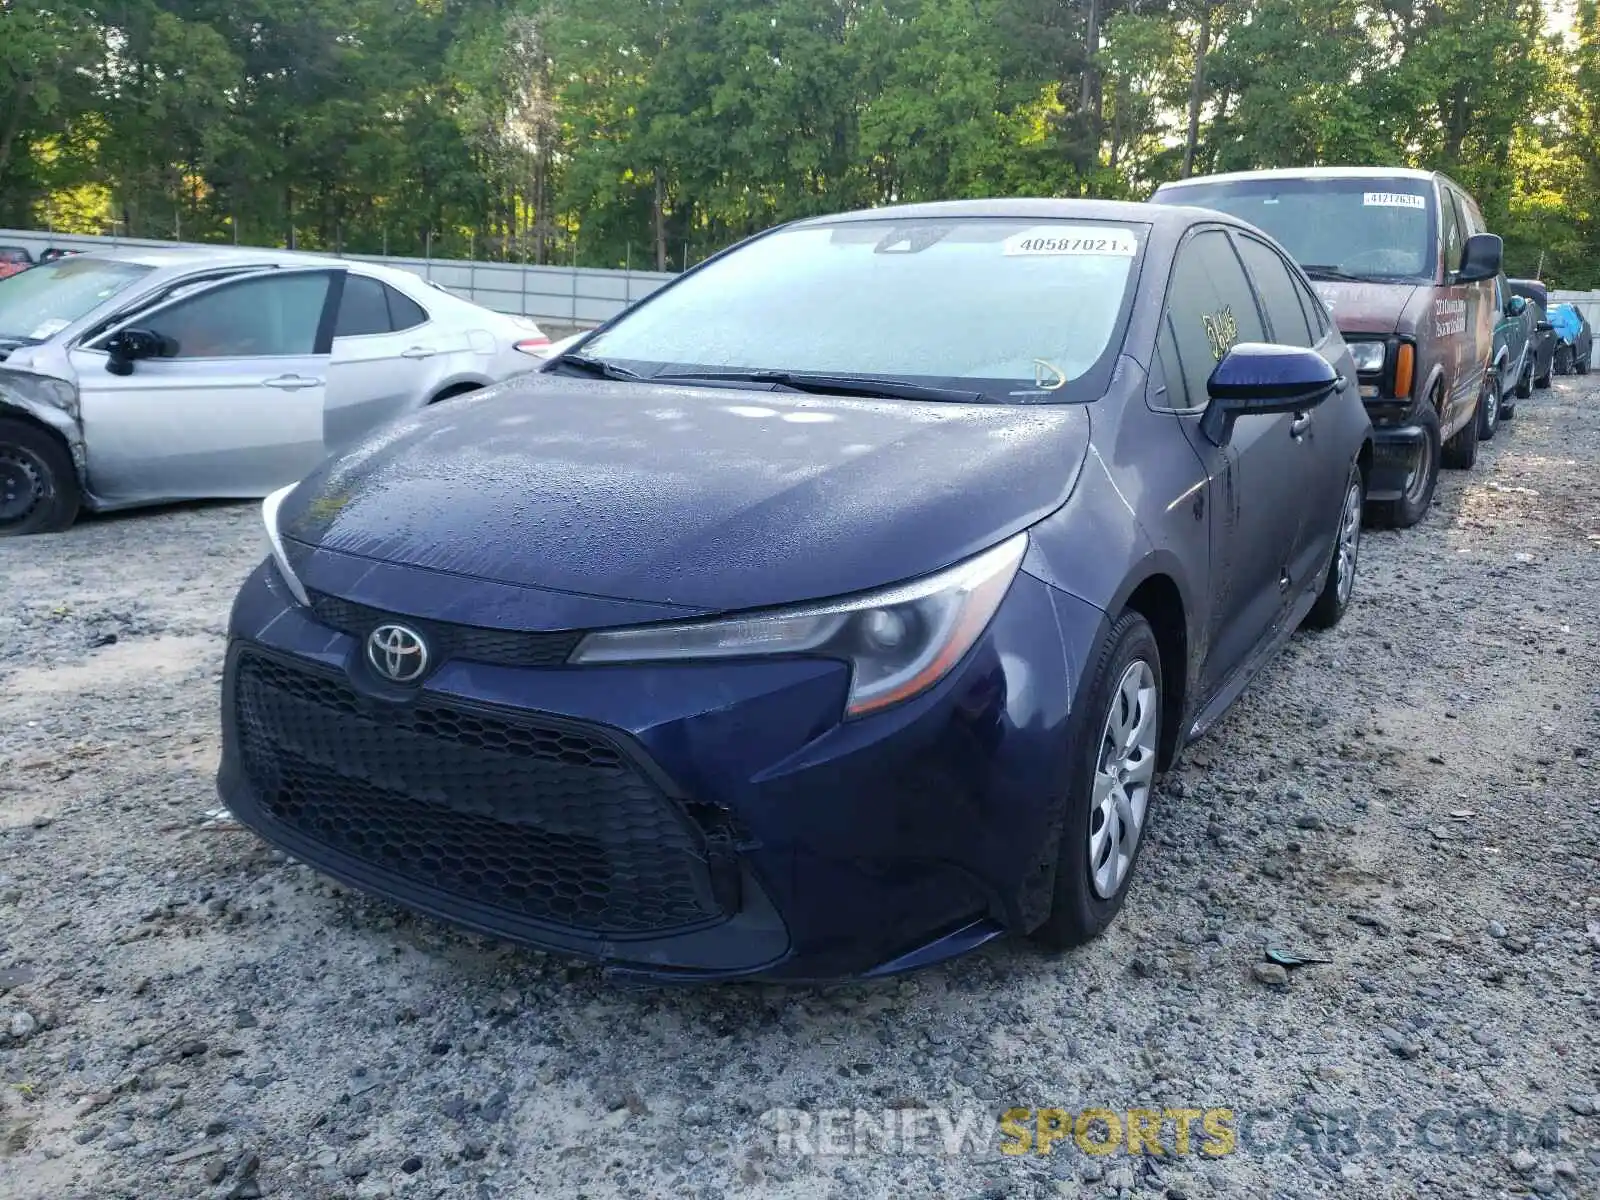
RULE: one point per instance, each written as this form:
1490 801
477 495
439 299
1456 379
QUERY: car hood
1366 307
703 498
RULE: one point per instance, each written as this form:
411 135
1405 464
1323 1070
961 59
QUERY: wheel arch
456 387
1156 595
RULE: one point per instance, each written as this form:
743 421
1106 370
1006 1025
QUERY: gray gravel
1413 797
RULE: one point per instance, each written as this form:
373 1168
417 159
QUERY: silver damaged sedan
134 377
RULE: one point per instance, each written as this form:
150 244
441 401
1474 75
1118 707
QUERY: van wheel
1111 786
1420 481
1489 406
1461 451
38 484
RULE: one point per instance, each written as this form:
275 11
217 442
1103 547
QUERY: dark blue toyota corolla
829 613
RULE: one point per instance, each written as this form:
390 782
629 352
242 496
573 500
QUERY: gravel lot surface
1413 797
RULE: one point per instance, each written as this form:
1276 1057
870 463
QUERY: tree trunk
1197 89
13 125
661 222
1090 101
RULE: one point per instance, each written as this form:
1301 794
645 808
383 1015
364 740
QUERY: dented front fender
53 403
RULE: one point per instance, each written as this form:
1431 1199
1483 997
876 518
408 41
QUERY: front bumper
756 834
1395 452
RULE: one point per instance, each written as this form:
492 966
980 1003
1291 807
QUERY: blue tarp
1565 318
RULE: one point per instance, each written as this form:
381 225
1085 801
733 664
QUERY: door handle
418 352
1298 426
291 383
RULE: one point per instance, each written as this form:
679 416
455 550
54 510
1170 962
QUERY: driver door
235 410
1258 484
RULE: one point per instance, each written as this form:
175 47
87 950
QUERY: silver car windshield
40 302
1016 309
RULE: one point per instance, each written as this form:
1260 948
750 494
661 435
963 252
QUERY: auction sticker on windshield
1054 239
1393 200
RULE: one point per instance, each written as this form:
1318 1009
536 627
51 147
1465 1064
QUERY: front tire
1420 483
38 485
1113 769
1489 406
1340 583
1461 451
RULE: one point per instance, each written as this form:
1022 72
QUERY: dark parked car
829 612
14 260
1544 333
1574 339
1406 265
1515 336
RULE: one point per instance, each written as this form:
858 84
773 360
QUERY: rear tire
38 483
1421 483
1111 788
1339 585
1461 451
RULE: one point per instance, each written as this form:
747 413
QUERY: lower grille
502 647
549 822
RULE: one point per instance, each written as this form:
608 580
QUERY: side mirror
1480 258
130 345
1516 306
1255 377
1545 327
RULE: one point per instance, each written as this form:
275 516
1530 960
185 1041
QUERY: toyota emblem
398 653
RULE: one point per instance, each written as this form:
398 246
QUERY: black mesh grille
507 648
554 824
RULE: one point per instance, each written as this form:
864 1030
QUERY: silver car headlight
1369 356
269 518
899 641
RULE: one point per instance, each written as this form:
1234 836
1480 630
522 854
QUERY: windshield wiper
598 367
1317 271
830 385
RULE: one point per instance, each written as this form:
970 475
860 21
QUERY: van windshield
1371 229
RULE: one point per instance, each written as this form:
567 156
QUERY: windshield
1380 229
39 303
1017 310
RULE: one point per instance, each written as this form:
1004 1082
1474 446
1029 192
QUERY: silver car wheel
1349 543
1122 779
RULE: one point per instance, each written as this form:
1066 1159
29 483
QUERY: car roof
179 257
1030 208
1306 173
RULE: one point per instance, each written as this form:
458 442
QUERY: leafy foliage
655 132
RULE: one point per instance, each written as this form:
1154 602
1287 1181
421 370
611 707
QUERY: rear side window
363 311
373 307
1210 307
1279 297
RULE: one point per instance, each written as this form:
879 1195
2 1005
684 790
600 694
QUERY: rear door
1255 483
236 410
388 355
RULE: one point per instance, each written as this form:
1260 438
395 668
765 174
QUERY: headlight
899 641
1369 356
269 518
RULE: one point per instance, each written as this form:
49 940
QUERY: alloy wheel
1125 769
1349 543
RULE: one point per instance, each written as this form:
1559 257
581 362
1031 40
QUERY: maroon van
1407 269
